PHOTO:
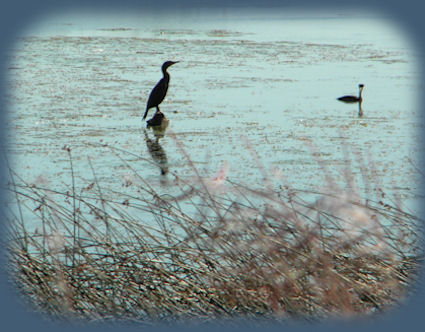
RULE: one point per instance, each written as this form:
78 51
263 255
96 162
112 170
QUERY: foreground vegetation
216 250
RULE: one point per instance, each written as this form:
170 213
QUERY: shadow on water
158 124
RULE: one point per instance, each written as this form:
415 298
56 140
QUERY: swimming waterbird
353 99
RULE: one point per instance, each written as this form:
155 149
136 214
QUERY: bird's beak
174 62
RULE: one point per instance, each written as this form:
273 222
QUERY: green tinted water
245 83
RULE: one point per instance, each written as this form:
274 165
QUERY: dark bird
158 93
353 99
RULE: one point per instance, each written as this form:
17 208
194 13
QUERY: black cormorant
158 93
353 99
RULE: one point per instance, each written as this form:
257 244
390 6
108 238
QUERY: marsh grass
216 250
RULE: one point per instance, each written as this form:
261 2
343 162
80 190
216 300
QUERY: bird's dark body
159 91
349 99
353 99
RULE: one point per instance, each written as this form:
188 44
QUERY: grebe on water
353 99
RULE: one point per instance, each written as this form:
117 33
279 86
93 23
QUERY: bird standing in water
353 99
158 93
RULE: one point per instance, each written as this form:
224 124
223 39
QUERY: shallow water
247 87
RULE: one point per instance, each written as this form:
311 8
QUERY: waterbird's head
361 86
167 64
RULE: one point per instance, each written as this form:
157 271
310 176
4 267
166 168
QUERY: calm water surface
245 85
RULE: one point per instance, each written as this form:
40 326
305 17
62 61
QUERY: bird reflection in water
360 114
158 124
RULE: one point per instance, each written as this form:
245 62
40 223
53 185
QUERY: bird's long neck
166 75
360 93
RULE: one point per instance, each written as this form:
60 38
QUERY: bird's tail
146 113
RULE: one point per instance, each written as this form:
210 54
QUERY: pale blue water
82 81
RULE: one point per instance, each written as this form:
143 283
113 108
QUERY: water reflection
158 124
360 114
